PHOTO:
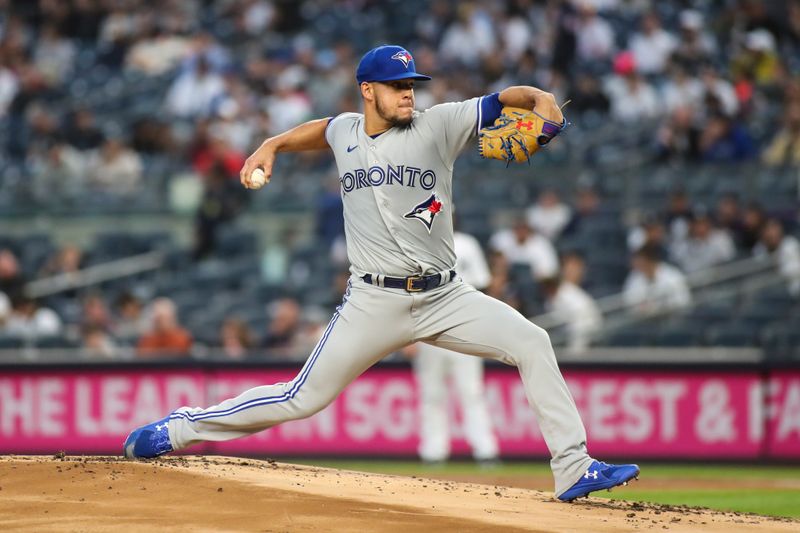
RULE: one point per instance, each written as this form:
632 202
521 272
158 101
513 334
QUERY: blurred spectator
204 47
784 148
678 215
595 37
652 46
719 97
157 52
705 246
234 120
514 30
695 46
500 286
194 92
725 140
31 321
115 169
130 321
650 233
753 220
572 305
53 55
311 330
588 207
235 338
42 128
166 337
681 90
97 343
66 260
289 105
283 329
573 268
728 217
678 139
152 136
81 132
472 30
522 245
549 215
587 95
58 174
5 311
632 97
9 85
758 60
96 313
785 249
208 149
223 200
654 287
12 278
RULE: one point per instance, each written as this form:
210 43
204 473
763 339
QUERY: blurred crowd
536 253
707 82
129 325
717 79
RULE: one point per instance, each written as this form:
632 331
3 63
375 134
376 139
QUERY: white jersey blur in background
433 366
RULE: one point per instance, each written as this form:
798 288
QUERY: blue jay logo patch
426 211
403 57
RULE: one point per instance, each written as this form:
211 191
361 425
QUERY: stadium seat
55 342
680 332
638 334
732 334
760 313
232 242
11 343
712 313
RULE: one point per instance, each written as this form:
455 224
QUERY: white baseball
258 178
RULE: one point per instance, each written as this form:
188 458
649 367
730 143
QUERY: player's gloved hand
518 133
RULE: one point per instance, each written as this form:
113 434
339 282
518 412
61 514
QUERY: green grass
771 501
774 502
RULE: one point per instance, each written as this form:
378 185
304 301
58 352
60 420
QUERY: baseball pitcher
395 165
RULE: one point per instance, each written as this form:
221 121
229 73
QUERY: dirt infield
90 494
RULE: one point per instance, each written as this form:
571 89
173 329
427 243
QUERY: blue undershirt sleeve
490 109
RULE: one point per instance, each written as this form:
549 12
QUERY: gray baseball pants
373 322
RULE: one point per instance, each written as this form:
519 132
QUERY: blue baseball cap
388 63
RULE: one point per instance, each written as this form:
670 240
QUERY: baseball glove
516 135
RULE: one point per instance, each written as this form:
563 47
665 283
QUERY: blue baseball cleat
600 476
148 441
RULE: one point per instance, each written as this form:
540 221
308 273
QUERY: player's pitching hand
257 169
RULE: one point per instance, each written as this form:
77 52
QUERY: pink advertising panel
781 411
626 412
87 411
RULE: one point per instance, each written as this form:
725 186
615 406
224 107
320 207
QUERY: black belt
411 283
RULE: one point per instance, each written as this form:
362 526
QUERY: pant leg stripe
301 378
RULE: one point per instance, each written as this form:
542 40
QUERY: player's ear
367 91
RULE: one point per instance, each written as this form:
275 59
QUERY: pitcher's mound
226 494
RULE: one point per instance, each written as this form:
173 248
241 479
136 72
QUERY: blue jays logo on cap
403 56
426 211
388 63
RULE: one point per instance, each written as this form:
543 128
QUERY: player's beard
394 121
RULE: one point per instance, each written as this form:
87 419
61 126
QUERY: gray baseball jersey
397 192
397 188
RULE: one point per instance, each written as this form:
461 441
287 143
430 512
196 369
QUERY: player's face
394 101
